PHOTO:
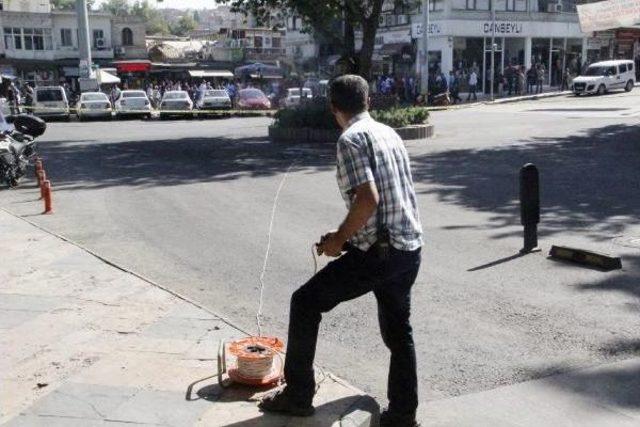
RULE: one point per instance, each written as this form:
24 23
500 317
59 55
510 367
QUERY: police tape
195 112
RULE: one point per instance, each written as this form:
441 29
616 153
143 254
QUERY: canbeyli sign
608 14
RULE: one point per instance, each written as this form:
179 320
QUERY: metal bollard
38 165
530 206
42 177
48 204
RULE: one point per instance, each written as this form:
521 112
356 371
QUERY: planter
319 136
303 135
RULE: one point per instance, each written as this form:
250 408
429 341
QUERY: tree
116 7
155 22
69 4
184 26
321 17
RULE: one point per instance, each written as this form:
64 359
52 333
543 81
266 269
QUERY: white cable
266 254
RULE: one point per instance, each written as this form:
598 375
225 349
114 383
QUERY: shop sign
435 28
395 37
608 14
84 70
502 27
595 44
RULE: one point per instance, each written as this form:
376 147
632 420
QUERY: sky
180 4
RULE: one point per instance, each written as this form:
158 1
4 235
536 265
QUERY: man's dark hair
349 94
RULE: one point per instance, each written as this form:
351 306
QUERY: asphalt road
187 203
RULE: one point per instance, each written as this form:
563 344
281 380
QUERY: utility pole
424 69
493 47
87 79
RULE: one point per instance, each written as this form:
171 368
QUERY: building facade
40 45
525 33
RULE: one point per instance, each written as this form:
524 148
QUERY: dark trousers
350 276
472 91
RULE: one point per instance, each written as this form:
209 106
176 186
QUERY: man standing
382 236
473 85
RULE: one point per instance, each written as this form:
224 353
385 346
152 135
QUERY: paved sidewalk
87 344
602 396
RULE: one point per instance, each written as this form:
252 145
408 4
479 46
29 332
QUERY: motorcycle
18 147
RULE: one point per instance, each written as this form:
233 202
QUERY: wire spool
257 361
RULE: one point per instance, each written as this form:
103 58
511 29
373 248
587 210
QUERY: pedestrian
510 76
540 72
531 79
454 86
473 85
522 81
384 238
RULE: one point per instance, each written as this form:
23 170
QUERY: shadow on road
92 165
582 180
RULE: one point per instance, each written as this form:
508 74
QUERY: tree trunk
366 52
369 31
349 46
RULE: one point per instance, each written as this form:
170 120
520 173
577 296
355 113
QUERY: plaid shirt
392 178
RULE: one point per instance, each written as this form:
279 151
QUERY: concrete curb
363 413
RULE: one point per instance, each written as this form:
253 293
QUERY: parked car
215 99
93 105
175 103
50 102
253 99
133 103
602 77
293 96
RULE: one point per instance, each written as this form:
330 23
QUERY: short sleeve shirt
366 141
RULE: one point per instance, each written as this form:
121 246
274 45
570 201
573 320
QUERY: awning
390 49
132 66
211 73
107 79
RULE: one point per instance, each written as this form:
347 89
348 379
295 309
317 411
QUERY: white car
174 103
51 101
93 105
602 77
133 103
293 96
215 99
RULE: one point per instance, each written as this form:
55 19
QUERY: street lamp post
424 69
493 47
84 43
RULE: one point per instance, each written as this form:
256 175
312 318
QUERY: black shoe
389 420
281 401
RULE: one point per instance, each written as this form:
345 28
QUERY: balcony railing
264 53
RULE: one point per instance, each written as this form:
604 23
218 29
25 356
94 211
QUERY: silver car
175 102
215 99
93 105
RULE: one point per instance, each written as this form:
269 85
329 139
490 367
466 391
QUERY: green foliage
314 114
317 115
401 117
155 23
116 7
184 26
69 4
322 17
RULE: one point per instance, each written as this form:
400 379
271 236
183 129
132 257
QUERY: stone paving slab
87 344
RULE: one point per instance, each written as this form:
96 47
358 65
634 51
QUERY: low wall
309 135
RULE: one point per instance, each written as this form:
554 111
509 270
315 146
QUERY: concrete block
88 401
160 408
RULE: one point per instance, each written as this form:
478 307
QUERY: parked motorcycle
18 147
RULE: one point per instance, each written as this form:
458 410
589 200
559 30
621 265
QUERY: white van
51 101
602 77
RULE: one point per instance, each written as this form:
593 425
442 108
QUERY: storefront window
467 57
471 4
511 5
436 5
12 38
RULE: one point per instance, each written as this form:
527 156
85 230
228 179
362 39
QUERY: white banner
608 14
